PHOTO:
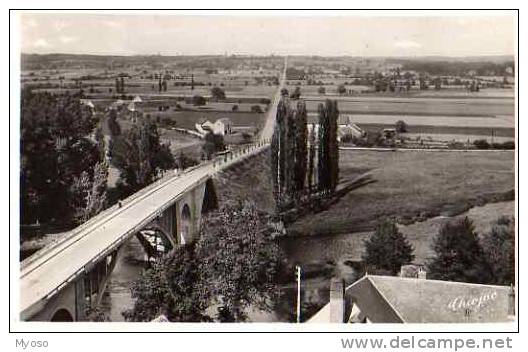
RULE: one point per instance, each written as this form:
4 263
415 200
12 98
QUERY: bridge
62 280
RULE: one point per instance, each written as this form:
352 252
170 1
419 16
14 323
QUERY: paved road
267 130
54 266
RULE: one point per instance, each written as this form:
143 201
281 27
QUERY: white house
221 126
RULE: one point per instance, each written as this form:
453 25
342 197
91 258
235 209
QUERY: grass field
424 106
411 186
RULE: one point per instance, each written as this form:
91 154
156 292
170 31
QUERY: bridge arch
185 224
62 315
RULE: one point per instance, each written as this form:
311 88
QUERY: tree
388 249
113 125
198 100
232 266
459 255
238 260
256 108
218 93
481 144
328 160
234 108
341 89
321 90
214 143
300 149
169 287
55 148
296 93
89 195
401 126
140 156
499 248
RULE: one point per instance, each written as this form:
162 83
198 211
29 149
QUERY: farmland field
412 185
424 106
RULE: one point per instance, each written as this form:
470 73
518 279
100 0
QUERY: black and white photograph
350 170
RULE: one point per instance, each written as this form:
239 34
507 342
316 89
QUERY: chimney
337 300
511 301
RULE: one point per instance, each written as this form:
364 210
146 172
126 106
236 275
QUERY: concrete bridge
66 278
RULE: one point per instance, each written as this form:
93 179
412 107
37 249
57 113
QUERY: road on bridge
267 130
57 265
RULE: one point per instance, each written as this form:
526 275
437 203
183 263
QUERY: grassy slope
412 186
247 180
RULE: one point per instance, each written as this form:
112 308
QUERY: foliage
140 157
328 160
499 248
256 108
235 107
459 255
238 259
55 148
387 249
184 162
214 143
198 100
289 151
401 126
321 90
341 89
296 93
169 287
481 144
113 125
218 93
233 266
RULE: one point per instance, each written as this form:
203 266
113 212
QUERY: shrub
401 126
256 108
481 144
198 100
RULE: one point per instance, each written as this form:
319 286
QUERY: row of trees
120 85
63 167
233 265
294 151
460 253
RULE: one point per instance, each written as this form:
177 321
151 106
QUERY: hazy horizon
183 35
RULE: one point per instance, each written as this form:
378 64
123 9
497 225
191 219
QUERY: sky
149 34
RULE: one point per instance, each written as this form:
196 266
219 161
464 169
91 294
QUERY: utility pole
298 274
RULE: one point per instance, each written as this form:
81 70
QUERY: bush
218 93
256 108
401 126
265 101
198 100
481 144
321 90
234 108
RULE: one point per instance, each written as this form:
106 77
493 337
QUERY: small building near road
221 126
